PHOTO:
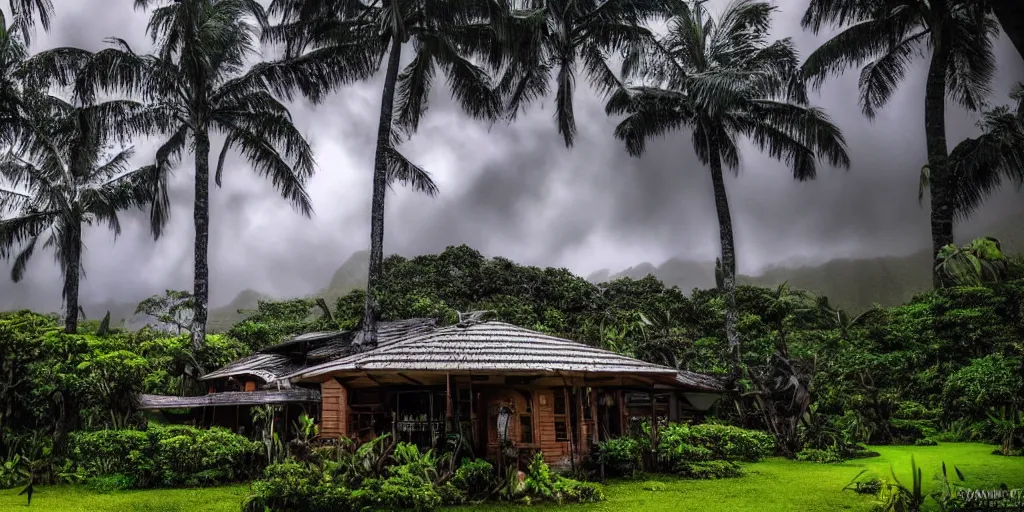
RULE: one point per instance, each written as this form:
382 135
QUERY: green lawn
773 485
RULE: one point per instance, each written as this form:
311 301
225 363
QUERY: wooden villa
504 388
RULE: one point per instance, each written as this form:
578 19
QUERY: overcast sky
516 191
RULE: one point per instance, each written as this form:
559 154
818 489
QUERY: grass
772 485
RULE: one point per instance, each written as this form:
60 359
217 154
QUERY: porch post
580 438
654 430
673 406
448 406
568 428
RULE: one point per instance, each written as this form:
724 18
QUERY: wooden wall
555 452
334 413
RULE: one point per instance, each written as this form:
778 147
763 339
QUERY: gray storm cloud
514 190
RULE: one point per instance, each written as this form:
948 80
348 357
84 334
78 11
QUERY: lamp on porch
701 401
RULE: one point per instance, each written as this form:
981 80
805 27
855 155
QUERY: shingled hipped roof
497 346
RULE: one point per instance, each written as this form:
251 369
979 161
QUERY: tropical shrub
621 457
710 469
821 456
708 441
474 479
162 456
399 478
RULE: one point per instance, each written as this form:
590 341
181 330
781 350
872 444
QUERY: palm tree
332 42
549 39
71 170
885 36
722 79
197 83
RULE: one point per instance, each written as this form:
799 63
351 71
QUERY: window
561 433
526 419
525 429
464 404
561 418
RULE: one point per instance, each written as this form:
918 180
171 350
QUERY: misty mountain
853 284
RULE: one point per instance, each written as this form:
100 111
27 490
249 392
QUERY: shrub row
379 477
163 456
694 451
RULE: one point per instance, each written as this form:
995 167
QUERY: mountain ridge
855 284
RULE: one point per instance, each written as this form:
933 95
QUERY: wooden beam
644 381
517 380
410 379
373 380
345 380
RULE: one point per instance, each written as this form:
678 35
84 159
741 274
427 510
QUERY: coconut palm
198 83
332 42
722 79
885 36
69 171
550 39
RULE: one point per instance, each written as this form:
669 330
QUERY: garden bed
770 485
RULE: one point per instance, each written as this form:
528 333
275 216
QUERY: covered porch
504 416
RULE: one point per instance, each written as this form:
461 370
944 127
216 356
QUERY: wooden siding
555 452
334 413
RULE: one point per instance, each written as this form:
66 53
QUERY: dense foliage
383 476
55 383
171 456
693 451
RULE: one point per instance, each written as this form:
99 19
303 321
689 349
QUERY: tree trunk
728 268
1011 17
72 277
380 182
938 153
201 218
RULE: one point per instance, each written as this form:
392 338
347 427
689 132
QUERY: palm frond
650 112
858 43
880 78
980 164
470 85
413 87
564 112
972 62
402 170
257 138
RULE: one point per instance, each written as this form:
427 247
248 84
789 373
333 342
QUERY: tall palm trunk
371 314
938 153
1011 17
728 267
72 275
201 219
